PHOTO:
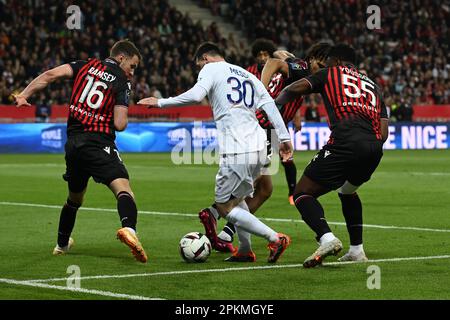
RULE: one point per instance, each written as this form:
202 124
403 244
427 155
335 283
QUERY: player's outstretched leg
66 223
244 252
313 215
128 217
243 219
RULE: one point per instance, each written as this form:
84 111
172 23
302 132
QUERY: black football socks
67 222
127 210
352 210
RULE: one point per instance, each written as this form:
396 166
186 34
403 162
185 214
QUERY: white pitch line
89 291
279 266
6 203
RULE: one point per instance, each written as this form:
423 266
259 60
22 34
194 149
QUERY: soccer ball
195 247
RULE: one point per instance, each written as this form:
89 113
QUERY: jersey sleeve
318 80
297 69
205 78
263 94
123 94
76 66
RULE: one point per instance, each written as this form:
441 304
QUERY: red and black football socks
352 210
127 210
67 222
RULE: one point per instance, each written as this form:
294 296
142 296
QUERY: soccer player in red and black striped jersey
98 108
286 71
359 126
263 50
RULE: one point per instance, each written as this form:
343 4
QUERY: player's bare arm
271 67
150 102
296 89
194 95
283 54
42 81
297 121
120 117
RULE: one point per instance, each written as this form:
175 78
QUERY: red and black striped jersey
353 102
297 69
98 86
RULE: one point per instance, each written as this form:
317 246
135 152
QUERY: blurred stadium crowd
408 56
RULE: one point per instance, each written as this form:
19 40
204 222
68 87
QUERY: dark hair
318 51
125 47
343 52
208 48
263 45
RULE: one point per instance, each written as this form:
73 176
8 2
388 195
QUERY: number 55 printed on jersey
241 91
352 82
90 91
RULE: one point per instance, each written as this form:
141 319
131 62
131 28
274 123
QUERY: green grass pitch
405 207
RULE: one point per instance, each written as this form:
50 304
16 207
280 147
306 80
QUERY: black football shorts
91 155
339 162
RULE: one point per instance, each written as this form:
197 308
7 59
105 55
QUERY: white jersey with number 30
234 95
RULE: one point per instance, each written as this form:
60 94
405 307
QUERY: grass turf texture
409 189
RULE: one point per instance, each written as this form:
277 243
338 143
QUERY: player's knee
75 199
301 196
125 194
74 202
347 188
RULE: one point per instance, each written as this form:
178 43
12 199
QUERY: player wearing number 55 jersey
234 95
98 107
359 126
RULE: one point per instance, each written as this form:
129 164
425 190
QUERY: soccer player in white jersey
234 95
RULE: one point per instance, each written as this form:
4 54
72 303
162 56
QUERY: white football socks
355 250
327 237
245 240
245 220
224 236
131 230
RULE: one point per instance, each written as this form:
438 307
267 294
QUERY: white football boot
351 256
332 247
63 250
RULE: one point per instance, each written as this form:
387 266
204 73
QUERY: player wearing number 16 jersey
98 107
359 126
234 95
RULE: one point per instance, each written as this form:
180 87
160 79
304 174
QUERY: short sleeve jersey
98 86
